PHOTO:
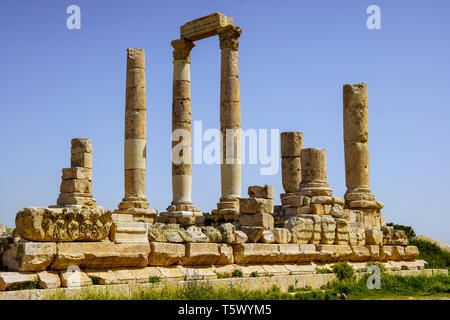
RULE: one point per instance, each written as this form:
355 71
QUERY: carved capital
228 37
182 49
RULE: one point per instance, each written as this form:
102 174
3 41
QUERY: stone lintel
205 27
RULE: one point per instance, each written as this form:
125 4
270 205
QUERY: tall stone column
135 131
356 134
314 173
230 116
133 211
181 126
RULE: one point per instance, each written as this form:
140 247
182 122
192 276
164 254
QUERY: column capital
228 37
182 49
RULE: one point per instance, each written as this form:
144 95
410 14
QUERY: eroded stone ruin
310 228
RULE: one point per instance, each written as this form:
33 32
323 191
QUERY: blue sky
57 84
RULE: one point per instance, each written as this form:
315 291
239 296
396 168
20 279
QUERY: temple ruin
310 228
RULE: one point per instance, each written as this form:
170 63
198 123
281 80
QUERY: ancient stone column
314 173
291 146
135 131
230 113
129 222
356 134
181 124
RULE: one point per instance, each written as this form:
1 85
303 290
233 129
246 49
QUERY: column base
185 218
311 189
227 206
361 198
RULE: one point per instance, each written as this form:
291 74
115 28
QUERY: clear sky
57 84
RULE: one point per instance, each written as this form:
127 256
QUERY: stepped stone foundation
311 228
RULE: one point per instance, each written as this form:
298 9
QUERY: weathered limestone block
142 275
100 255
129 232
173 273
374 236
256 253
360 253
124 276
291 144
67 224
226 254
395 253
342 232
338 212
228 232
374 252
172 233
165 254
240 237
317 227
72 198
81 153
291 173
357 233
103 276
255 205
155 233
335 252
74 278
290 253
394 237
254 234
78 173
201 254
264 220
2 228
265 192
328 231
76 185
267 237
301 229
411 253
318 209
23 255
281 235
205 26
49 279
15 279
196 234
212 233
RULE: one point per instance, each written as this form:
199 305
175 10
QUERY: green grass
154 279
392 287
190 292
34 284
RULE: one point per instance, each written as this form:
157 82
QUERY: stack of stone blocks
76 185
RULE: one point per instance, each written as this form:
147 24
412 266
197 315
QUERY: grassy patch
392 287
25 286
343 271
154 279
